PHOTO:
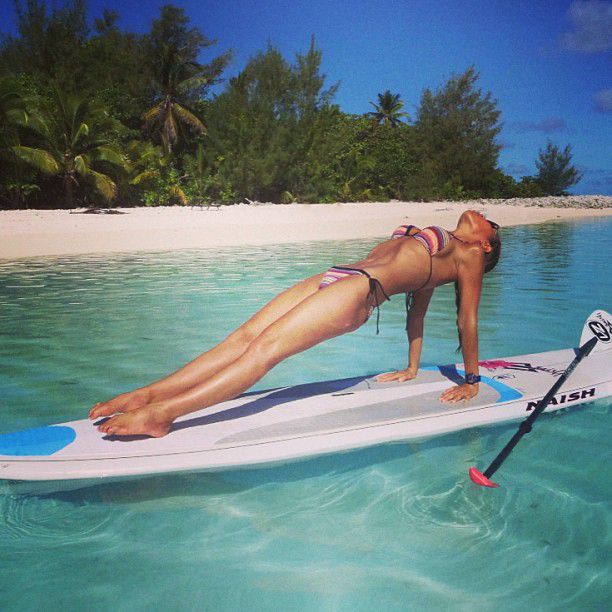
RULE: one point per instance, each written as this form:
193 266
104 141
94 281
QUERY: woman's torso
403 265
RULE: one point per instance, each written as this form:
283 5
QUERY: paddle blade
480 479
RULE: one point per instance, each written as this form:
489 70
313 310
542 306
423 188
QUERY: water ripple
398 527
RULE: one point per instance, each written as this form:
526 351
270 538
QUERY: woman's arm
416 323
415 338
469 278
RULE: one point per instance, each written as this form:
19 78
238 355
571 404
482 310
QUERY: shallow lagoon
397 526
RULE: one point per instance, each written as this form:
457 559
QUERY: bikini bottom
337 273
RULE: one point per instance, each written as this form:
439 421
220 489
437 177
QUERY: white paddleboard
290 423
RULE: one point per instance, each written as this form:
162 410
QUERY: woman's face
475 228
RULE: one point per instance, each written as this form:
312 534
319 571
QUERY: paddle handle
525 426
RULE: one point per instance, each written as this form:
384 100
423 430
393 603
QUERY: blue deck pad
42 441
506 393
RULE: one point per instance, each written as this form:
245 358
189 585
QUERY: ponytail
409 304
457 302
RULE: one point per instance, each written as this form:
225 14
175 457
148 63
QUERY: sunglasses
493 225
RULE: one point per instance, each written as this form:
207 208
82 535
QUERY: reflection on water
396 526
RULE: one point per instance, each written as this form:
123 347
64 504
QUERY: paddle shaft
525 426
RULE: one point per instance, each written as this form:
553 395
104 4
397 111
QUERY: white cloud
514 168
592 21
548 124
603 100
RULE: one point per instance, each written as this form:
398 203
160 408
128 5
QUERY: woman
322 307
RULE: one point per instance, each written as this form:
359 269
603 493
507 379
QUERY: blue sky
548 63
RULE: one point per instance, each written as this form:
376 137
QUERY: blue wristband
472 379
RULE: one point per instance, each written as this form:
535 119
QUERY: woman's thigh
337 309
280 305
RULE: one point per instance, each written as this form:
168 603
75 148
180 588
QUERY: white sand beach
29 233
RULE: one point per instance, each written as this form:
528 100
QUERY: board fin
599 323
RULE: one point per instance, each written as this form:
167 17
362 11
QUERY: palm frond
170 129
80 113
178 194
191 83
38 158
38 125
153 114
83 130
103 184
15 116
189 118
109 154
81 165
143 176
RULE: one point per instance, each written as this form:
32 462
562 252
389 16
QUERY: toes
96 411
114 427
107 427
100 410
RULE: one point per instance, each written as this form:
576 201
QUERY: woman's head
475 227
492 256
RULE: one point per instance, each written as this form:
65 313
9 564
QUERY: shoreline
35 233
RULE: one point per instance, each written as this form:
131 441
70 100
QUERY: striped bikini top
433 238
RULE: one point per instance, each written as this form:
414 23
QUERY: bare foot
126 402
147 421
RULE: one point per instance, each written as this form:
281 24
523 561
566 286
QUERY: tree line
101 116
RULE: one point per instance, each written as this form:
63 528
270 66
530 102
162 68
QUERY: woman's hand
399 376
459 393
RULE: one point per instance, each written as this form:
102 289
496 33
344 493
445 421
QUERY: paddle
525 427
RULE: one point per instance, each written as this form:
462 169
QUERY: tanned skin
303 316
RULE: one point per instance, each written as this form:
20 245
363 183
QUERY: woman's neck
457 234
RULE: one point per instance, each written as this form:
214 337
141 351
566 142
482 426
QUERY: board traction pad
41 441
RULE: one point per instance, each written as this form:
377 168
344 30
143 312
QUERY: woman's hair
491 258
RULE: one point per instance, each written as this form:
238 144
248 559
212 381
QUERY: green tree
152 172
108 63
119 72
270 128
16 178
49 47
74 140
12 108
555 172
372 162
388 111
456 130
309 126
178 79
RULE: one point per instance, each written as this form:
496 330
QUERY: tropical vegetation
100 116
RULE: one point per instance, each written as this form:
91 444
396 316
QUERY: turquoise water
397 527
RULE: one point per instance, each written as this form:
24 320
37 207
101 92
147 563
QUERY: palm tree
73 138
12 108
151 168
16 179
388 109
174 78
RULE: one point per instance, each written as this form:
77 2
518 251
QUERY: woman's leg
214 360
339 308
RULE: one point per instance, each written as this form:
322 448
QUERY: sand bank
29 233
